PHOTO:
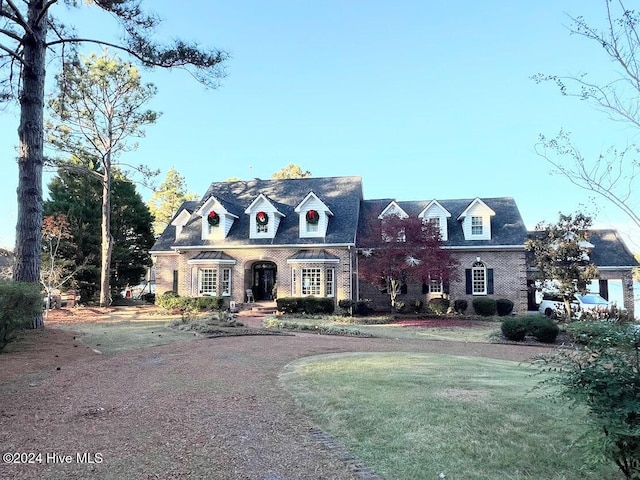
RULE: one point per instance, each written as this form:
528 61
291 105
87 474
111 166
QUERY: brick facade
509 281
243 272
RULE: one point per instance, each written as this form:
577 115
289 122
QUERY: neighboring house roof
609 249
507 227
342 195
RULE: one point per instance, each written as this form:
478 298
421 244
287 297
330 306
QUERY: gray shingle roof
341 194
609 250
507 227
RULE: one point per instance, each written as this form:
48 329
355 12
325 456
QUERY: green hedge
484 306
172 301
310 305
20 303
541 328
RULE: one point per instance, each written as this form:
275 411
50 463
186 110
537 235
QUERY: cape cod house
255 240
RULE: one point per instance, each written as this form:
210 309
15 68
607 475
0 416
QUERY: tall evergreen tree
166 200
30 39
78 196
99 105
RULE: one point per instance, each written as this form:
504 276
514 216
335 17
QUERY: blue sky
422 99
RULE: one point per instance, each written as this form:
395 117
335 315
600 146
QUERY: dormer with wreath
313 217
264 218
217 220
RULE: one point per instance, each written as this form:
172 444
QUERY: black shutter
604 289
489 281
445 287
467 273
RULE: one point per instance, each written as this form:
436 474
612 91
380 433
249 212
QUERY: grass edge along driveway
430 416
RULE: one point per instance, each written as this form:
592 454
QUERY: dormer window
217 220
437 215
476 221
313 215
264 218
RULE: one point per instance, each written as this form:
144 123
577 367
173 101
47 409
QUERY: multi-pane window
212 228
208 281
476 225
226 282
435 221
262 228
311 281
312 227
329 282
435 286
479 279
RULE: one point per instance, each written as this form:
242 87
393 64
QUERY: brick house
258 239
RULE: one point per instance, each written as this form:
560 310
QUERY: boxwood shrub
514 329
541 328
172 301
460 306
504 306
310 305
484 306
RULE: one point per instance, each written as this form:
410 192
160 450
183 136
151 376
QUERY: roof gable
477 206
393 209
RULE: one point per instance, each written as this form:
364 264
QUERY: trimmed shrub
346 306
484 306
172 301
460 306
514 329
504 306
20 303
289 304
543 329
315 305
310 305
439 306
209 303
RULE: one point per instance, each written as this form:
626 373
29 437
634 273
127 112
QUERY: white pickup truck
591 302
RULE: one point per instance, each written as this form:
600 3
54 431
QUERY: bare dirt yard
208 408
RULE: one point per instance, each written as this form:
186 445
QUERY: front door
264 279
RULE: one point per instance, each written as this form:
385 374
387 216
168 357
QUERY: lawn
410 416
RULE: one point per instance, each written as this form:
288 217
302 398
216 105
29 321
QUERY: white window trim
477 267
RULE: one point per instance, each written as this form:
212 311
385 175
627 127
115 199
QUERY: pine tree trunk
31 154
107 239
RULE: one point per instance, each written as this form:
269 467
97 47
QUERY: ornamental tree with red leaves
395 250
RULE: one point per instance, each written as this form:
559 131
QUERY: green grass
483 332
115 337
415 416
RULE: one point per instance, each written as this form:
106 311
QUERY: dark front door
264 279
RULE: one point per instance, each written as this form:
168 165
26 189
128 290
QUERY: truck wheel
548 312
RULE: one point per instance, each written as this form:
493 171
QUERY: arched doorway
264 279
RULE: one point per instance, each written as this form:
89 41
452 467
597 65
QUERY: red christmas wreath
313 217
213 218
262 218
